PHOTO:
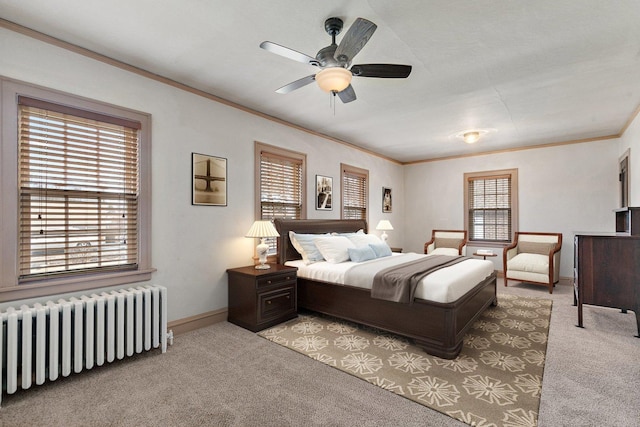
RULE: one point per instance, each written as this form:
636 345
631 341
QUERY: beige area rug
495 381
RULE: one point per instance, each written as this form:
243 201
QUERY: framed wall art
324 190
209 180
387 204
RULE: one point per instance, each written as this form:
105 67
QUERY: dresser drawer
277 303
276 280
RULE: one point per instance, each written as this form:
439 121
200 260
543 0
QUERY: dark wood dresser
259 299
607 272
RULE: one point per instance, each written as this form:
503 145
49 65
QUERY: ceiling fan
334 60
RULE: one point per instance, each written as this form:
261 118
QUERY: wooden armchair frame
554 258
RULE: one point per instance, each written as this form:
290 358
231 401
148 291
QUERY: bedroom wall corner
563 188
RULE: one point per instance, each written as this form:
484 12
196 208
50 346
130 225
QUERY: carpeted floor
223 375
496 379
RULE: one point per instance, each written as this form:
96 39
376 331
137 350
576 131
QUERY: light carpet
495 381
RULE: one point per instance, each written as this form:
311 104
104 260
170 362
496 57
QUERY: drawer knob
288 277
269 302
269 282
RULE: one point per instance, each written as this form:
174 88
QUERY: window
355 192
82 191
280 185
78 189
490 205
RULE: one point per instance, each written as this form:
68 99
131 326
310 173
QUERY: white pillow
305 245
361 239
334 249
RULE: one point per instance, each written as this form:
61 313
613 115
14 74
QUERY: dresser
607 272
259 299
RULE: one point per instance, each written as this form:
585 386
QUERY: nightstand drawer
276 279
276 303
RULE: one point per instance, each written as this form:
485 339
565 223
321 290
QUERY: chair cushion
535 247
532 263
441 242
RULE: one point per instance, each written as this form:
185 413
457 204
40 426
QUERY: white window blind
78 189
354 193
490 213
281 189
280 186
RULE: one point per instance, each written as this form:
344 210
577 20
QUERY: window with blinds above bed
280 185
355 192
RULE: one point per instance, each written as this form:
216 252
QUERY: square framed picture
209 180
324 190
387 204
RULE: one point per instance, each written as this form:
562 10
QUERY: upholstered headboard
287 252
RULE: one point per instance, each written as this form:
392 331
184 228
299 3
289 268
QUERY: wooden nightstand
259 299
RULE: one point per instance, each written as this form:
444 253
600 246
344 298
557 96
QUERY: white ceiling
538 72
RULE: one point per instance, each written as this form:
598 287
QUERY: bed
437 327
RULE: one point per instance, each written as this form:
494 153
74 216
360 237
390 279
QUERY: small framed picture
209 180
324 189
387 205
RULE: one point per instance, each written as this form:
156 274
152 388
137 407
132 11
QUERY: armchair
447 242
533 258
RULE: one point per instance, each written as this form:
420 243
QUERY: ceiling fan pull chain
332 99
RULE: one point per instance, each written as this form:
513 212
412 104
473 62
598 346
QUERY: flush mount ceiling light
335 79
471 136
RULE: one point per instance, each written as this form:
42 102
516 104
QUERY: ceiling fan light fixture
334 79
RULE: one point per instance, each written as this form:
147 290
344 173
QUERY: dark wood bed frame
438 328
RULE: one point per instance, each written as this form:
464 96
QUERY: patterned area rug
495 381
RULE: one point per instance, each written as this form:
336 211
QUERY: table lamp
384 225
262 230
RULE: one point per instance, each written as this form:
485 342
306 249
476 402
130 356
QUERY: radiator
44 342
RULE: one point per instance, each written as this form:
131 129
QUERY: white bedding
444 285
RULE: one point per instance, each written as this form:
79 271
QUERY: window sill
76 284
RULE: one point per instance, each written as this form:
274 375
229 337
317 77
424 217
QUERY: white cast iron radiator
42 342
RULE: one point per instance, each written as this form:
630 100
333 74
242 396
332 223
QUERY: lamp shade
384 225
334 79
262 229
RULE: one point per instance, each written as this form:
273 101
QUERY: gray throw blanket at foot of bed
398 283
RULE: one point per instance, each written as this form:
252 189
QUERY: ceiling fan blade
347 95
385 71
288 53
354 40
297 84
